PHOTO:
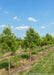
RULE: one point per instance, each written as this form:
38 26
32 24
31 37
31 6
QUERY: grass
22 72
45 65
1 54
4 63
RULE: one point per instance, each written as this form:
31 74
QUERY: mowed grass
4 63
44 65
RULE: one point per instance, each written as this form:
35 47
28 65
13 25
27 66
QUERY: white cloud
2 26
21 27
5 26
0 8
32 19
16 18
43 27
6 12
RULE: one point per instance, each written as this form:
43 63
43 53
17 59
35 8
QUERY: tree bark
30 54
30 51
8 64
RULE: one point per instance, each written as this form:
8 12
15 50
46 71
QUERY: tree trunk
8 64
30 54
30 51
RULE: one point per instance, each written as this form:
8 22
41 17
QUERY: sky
22 14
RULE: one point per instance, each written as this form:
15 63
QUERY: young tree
9 43
32 39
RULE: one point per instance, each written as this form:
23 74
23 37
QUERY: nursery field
43 66
28 55
44 60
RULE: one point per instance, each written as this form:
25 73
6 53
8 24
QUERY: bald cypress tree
32 39
8 42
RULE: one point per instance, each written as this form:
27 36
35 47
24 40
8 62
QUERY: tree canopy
8 40
32 38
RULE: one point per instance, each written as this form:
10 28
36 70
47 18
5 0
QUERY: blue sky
22 14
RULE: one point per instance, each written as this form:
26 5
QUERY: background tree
47 39
19 41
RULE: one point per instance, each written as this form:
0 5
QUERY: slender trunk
30 54
8 64
30 51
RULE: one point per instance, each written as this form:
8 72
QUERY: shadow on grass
4 64
25 56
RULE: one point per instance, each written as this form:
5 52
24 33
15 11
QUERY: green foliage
32 38
48 39
8 40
